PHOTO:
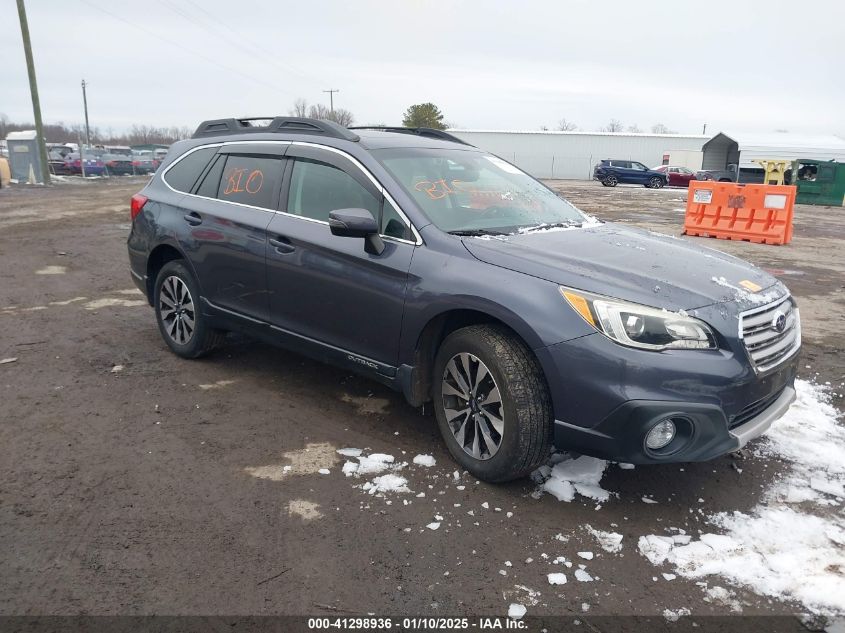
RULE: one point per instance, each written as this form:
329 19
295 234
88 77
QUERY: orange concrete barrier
730 211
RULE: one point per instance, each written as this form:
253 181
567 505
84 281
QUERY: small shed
741 149
23 155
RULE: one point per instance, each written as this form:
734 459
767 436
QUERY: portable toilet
23 156
820 182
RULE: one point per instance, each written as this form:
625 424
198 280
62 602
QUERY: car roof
381 139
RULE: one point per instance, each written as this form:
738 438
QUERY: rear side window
211 181
183 175
250 180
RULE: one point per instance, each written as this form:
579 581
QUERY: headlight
640 326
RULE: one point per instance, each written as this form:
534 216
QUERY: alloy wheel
177 310
473 406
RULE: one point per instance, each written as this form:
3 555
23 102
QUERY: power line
186 49
245 43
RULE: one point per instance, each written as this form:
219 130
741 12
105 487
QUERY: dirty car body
402 255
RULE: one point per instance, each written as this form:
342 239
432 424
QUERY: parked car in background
118 164
719 175
456 278
94 165
678 176
144 164
611 172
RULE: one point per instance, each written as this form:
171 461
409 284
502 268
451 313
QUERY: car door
639 173
328 288
226 218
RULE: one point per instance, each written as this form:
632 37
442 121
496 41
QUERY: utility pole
331 98
85 103
704 130
33 88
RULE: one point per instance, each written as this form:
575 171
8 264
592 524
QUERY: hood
631 264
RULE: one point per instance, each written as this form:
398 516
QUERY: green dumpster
820 182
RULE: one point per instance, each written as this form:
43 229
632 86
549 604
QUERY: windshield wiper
476 232
552 225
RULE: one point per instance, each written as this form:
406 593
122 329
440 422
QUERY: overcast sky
740 66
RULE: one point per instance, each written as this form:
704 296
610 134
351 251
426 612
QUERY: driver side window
317 188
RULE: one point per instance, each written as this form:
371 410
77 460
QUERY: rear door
622 169
327 288
226 218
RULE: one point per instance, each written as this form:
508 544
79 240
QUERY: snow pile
568 476
774 550
516 611
808 429
610 541
557 579
424 460
386 483
374 464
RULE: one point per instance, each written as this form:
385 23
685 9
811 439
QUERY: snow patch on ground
564 477
51 270
424 460
794 553
610 541
386 483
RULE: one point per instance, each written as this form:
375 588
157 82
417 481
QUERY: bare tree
566 126
300 108
341 116
659 128
634 128
613 126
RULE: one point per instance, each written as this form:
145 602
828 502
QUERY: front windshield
464 191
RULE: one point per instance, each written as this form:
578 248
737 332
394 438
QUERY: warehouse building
572 155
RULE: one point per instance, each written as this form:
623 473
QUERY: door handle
282 245
193 218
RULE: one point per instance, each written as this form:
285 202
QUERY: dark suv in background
611 172
452 276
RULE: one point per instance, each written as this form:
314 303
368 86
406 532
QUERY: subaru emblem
779 322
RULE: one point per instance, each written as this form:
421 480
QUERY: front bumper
620 437
607 397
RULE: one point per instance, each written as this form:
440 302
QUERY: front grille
753 409
767 343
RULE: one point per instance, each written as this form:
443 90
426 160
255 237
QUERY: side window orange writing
250 180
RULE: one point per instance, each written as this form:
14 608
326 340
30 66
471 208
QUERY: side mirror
357 223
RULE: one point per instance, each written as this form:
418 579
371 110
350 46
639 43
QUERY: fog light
660 435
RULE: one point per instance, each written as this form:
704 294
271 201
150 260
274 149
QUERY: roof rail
290 124
428 132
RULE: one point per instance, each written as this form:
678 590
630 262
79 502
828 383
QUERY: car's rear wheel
180 320
610 181
492 403
655 183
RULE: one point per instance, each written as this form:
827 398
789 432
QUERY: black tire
525 407
655 183
203 338
610 181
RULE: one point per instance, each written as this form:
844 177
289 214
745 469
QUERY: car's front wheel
180 320
655 183
492 403
610 181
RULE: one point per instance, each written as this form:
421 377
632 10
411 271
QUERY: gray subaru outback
454 277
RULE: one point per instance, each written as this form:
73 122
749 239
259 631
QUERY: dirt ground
134 482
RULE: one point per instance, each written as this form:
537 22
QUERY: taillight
137 205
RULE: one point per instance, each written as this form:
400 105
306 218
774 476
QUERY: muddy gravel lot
134 482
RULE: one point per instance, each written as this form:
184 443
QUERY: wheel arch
417 377
159 256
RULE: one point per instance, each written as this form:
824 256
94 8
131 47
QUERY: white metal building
573 155
729 149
